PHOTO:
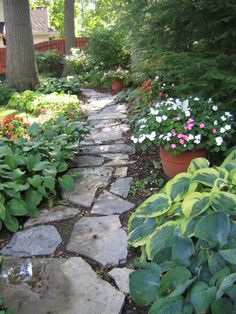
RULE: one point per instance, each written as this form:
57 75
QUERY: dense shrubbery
67 85
5 93
50 63
32 166
188 240
76 61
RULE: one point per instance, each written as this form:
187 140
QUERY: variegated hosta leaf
233 175
195 203
206 176
139 235
223 200
229 165
228 252
162 238
187 226
224 174
179 186
230 158
198 163
154 206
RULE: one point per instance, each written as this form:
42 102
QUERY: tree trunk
69 25
21 69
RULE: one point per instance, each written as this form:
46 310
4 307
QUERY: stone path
39 283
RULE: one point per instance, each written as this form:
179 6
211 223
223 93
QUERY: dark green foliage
50 63
5 93
67 85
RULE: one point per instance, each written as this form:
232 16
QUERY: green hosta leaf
2 211
223 173
233 175
195 203
218 277
226 283
179 186
231 292
182 250
67 183
198 163
35 181
187 226
62 167
42 165
11 223
206 176
143 286
11 161
223 200
5 150
161 239
198 260
183 287
229 166
49 183
139 235
222 306
17 174
17 207
174 278
154 206
202 296
228 252
230 158
32 160
215 262
169 305
213 228
33 199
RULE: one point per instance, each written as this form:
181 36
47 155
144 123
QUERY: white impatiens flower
198 139
141 138
228 114
142 126
159 119
219 140
190 137
134 139
210 101
161 136
214 108
227 127
222 130
154 112
187 113
223 118
142 120
215 122
196 98
164 117
151 136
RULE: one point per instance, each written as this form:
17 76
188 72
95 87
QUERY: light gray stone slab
89 161
106 134
115 156
118 108
106 149
98 124
57 286
121 172
121 187
56 213
110 204
121 277
100 238
108 116
119 162
41 240
96 171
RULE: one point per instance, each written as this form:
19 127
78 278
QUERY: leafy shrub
67 85
118 74
5 93
188 242
22 101
76 61
31 168
13 127
50 62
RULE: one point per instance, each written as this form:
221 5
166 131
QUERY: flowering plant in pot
192 125
118 78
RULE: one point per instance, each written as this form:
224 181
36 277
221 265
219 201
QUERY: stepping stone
121 277
119 162
121 187
119 108
108 134
61 286
97 171
108 124
100 238
108 116
106 149
121 172
110 204
42 240
115 156
56 213
89 161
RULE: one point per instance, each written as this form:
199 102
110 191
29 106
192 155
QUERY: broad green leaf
67 183
213 228
230 158
161 239
33 199
195 203
49 183
62 167
139 235
174 278
222 306
11 161
198 260
215 262
179 186
233 175
231 292
206 176
228 252
168 305
32 160
218 277
182 287
223 200
187 226
198 163
17 173
35 181
143 286
11 223
5 150
154 206
202 296
229 166
17 207
182 250
226 283
41 165
2 211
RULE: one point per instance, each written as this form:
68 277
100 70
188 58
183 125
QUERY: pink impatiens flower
202 126
214 131
173 146
181 141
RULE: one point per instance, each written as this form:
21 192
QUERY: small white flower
227 127
161 136
172 84
214 108
153 111
223 118
228 114
156 78
164 84
187 113
134 139
215 122
196 98
197 141
190 137
159 119
210 101
142 120
141 138
142 126
219 140
198 137
164 117
222 130
151 136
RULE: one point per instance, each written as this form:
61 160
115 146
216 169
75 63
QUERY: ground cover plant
187 237
5 93
67 85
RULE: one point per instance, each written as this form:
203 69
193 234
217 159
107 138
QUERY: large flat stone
106 149
110 204
99 238
41 240
89 161
117 108
57 286
119 163
115 156
121 172
121 187
56 213
107 116
106 134
121 277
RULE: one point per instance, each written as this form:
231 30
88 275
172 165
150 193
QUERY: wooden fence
81 42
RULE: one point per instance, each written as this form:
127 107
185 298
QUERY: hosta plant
187 235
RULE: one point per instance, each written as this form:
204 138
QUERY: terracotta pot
116 85
173 165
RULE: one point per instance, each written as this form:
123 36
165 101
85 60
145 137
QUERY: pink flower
181 141
173 132
180 135
202 126
10 127
190 120
214 131
9 135
185 137
173 146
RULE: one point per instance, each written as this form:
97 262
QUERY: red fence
81 42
